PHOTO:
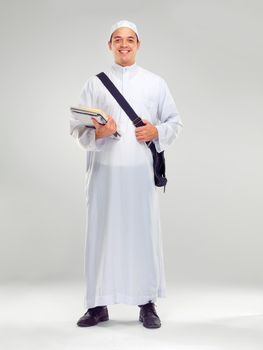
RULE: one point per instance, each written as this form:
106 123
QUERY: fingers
144 133
143 139
104 130
110 122
111 125
94 121
141 132
141 135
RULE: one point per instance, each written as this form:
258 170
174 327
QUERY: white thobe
123 247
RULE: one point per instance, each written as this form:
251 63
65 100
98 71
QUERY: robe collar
119 70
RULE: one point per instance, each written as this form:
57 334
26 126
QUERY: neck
125 64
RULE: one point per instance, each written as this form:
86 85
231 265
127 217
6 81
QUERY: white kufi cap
124 23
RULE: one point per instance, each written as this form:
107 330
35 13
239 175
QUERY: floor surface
44 316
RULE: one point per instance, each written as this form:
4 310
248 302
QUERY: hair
135 34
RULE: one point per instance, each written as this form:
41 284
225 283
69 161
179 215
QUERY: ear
138 44
110 45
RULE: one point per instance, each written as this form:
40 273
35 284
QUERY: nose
124 43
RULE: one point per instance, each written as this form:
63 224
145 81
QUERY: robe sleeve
170 123
83 135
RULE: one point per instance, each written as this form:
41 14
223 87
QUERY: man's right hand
104 130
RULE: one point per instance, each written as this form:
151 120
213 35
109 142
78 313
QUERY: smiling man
123 248
124 44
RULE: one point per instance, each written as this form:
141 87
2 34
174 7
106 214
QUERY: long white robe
123 246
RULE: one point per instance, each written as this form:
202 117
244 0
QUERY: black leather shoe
93 316
148 316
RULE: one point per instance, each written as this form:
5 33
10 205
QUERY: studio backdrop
210 54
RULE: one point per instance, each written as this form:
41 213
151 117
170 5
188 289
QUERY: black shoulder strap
137 121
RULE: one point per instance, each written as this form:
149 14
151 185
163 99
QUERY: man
123 247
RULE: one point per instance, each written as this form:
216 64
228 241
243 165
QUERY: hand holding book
96 118
104 130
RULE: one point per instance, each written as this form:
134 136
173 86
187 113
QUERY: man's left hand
147 132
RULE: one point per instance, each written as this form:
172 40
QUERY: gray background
210 54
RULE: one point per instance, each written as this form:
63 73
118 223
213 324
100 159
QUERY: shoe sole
105 318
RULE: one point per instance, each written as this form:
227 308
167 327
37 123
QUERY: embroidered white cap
124 23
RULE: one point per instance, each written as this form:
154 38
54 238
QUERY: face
124 46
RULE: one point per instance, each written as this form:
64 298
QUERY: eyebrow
129 37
